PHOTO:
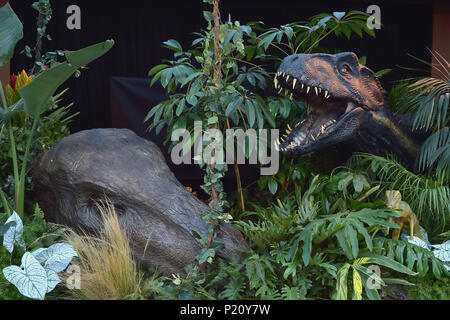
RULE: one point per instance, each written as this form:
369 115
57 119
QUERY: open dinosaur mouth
324 113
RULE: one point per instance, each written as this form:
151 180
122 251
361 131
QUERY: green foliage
11 31
429 288
306 38
36 97
427 195
429 98
234 100
304 246
414 257
37 234
52 127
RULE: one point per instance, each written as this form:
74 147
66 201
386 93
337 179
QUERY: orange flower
17 82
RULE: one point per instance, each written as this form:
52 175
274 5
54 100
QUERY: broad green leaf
273 186
173 45
342 289
357 285
11 31
397 281
31 281
392 264
157 69
371 293
39 91
180 107
382 73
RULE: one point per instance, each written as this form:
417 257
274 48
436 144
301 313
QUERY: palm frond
436 151
427 196
431 99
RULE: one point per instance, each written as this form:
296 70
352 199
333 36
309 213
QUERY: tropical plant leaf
442 251
342 289
37 93
57 257
31 281
436 152
6 227
14 235
415 257
11 31
427 196
52 279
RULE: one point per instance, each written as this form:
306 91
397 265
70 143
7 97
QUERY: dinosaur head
340 94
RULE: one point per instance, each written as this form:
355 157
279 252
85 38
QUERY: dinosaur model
346 106
407 216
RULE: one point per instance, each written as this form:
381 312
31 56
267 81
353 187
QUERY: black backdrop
140 27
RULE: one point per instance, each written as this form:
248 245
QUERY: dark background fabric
129 98
114 91
139 28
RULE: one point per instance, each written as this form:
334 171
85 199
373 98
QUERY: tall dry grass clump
108 271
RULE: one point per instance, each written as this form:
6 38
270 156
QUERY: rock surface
154 208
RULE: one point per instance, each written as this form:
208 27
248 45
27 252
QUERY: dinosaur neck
389 133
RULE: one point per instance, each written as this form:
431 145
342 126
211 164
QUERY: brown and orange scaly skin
346 106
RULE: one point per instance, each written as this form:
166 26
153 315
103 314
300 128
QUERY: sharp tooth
281 90
291 96
277 146
287 78
323 130
292 146
289 127
303 86
285 136
320 90
286 92
276 83
295 83
326 94
312 137
316 90
307 89
350 107
282 140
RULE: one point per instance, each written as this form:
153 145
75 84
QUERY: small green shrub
429 288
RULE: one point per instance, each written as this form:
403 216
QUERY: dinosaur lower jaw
325 116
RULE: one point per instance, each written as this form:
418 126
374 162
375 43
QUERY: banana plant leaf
11 31
39 91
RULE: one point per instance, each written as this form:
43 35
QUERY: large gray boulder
154 208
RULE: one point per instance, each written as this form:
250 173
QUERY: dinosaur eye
346 68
